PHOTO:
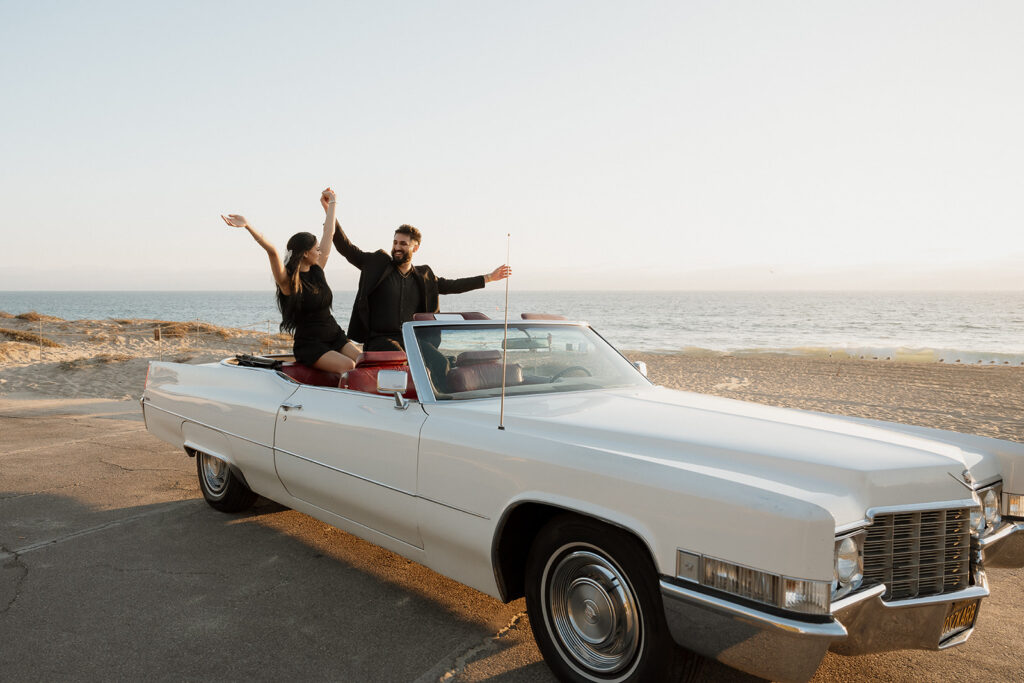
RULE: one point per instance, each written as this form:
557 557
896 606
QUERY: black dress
316 330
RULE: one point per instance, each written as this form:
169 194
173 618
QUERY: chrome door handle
291 406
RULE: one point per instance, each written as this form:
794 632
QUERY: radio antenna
504 342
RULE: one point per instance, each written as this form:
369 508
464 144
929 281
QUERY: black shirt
315 299
394 302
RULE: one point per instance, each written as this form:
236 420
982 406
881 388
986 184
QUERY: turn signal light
1014 505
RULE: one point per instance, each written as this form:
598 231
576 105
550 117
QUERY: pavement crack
485 646
125 468
49 543
114 464
17 563
4 498
70 442
153 570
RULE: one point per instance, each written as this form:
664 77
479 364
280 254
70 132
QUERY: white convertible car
642 524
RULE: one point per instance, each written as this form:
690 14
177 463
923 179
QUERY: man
391 289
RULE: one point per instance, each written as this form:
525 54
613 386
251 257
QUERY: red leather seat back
307 375
466 315
363 377
381 358
542 316
473 357
484 375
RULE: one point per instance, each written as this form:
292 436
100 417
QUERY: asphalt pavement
113 568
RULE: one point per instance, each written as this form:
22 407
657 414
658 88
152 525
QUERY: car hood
844 465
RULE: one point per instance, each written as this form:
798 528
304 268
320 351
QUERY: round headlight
977 520
991 503
849 569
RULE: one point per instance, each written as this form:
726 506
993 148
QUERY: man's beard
400 258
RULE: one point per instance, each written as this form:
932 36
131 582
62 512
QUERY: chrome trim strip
346 472
378 483
852 526
616 350
988 483
965 594
843 603
832 629
921 507
363 526
452 507
957 639
420 379
203 424
499 323
1008 529
348 392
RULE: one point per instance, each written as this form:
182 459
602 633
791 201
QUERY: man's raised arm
466 284
352 253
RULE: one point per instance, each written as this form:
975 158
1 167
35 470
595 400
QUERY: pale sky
624 145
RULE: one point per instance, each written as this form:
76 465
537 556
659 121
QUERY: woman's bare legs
332 361
351 350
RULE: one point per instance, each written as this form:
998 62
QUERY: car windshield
465 361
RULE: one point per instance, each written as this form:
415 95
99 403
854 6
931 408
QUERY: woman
304 297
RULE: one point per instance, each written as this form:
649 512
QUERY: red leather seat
542 316
481 370
466 315
307 375
363 377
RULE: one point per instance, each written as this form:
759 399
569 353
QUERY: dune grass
172 329
28 337
34 317
101 359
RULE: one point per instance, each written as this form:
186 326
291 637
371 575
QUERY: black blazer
373 267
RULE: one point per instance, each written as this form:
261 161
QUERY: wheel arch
518 527
199 438
191 451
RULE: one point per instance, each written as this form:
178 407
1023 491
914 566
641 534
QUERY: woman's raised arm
276 266
329 200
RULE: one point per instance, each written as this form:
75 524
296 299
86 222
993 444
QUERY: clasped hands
326 197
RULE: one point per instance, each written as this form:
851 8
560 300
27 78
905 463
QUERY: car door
353 454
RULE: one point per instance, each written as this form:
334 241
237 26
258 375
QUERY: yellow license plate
960 617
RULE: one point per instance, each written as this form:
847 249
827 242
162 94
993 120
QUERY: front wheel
221 487
594 602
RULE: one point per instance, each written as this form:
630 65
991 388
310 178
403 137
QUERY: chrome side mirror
641 366
394 382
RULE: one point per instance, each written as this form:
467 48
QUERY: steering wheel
564 371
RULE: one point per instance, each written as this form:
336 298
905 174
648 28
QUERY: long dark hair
298 245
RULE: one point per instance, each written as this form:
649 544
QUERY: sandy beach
46 357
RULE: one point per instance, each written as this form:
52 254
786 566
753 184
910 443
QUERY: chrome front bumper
784 649
1005 547
745 638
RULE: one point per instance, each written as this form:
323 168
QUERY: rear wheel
595 606
221 487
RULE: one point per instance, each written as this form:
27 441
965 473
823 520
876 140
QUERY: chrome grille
919 553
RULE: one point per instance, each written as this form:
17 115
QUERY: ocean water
965 327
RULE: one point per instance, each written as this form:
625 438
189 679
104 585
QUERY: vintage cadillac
642 524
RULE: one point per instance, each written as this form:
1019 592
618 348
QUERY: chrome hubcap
215 474
593 610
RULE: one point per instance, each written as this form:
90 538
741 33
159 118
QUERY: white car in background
642 524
